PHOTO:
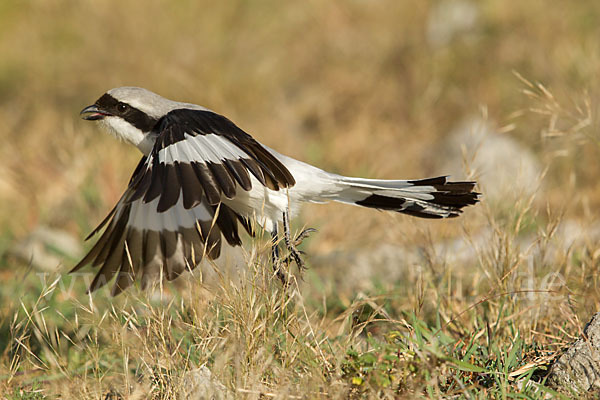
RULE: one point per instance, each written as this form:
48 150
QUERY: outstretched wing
199 154
171 214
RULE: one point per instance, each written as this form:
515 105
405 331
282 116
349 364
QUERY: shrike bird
201 175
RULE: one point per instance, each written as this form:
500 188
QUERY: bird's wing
199 154
170 216
140 242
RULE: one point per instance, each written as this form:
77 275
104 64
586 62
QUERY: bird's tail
425 198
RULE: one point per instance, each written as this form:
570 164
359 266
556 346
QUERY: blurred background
505 92
368 88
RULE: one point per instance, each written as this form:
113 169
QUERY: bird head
130 114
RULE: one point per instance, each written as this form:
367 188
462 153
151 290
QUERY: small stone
449 19
46 249
200 384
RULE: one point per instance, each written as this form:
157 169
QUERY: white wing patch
201 148
143 216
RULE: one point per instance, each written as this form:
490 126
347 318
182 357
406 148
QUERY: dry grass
356 88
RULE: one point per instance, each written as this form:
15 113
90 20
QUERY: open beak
93 113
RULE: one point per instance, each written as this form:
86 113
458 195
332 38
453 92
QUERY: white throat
123 130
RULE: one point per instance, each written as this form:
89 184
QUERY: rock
578 369
502 165
450 18
358 269
200 384
572 232
46 248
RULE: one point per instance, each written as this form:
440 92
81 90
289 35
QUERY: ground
503 92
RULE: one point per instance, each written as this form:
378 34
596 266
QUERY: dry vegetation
356 87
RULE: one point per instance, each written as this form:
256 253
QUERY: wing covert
199 154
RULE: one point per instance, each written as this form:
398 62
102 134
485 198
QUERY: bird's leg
277 262
291 245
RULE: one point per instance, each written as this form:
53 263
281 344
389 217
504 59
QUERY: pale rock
449 19
45 248
503 167
200 384
578 369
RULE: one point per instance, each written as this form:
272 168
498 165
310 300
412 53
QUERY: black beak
93 113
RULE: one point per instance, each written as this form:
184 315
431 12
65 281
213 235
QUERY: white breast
260 203
267 206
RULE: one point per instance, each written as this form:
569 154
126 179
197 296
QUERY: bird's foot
303 235
278 264
295 255
281 274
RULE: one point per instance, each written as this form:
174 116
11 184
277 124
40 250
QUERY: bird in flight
201 178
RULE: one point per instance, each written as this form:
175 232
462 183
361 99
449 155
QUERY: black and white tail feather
424 198
201 177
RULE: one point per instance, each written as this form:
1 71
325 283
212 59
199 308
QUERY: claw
295 257
303 235
285 281
294 254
